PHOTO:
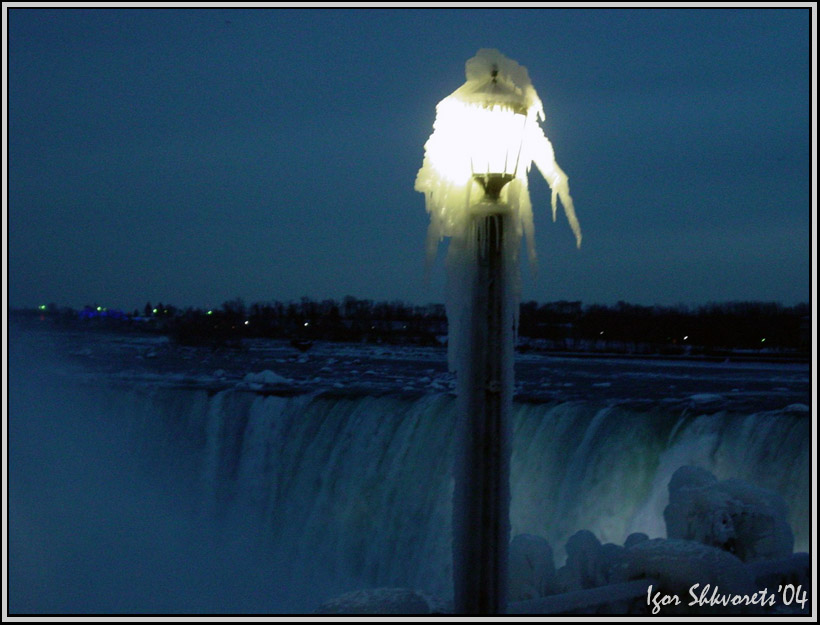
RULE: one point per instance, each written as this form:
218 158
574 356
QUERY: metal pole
482 485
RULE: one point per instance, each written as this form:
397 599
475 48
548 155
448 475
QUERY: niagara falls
154 477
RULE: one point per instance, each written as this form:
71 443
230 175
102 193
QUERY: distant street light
474 177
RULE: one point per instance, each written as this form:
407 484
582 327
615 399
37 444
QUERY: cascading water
355 492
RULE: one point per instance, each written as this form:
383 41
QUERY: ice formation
746 520
532 569
257 381
446 174
453 196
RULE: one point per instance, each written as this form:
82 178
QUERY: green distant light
210 312
154 311
99 308
42 307
762 340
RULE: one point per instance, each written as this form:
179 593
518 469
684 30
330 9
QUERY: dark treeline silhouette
566 326
628 328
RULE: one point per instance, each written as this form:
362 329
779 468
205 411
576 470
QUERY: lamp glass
475 139
496 140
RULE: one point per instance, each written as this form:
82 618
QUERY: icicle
446 176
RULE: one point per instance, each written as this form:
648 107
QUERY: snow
589 563
532 569
746 520
678 564
257 381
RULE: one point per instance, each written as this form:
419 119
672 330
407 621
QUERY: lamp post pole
485 388
486 133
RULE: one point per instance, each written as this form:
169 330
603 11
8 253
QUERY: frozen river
379 369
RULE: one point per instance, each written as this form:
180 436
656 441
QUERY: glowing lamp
474 178
479 134
496 138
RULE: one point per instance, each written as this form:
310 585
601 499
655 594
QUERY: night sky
195 156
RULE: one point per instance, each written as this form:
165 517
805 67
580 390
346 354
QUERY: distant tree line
553 326
351 319
630 328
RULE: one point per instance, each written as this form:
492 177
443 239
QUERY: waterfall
355 491
139 499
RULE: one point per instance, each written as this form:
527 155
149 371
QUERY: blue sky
193 156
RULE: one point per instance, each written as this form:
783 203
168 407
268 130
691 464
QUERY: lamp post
485 381
474 177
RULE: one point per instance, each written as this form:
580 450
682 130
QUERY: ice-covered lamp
479 133
499 121
474 177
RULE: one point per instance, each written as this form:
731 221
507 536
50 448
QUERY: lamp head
486 134
499 119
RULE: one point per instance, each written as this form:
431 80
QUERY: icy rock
740 518
634 539
677 565
609 558
589 563
532 569
381 601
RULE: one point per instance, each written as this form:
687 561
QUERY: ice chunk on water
265 378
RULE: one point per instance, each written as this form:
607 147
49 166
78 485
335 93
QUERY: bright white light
489 124
474 139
